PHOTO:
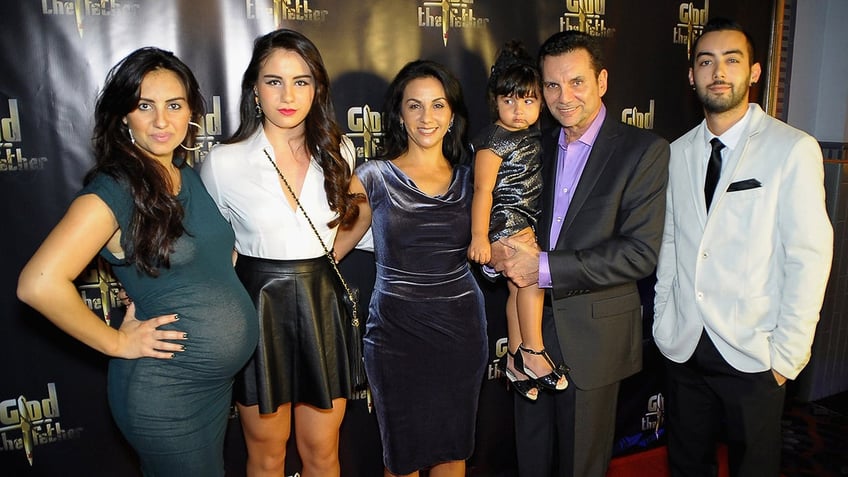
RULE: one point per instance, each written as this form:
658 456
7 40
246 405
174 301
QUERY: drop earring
195 148
132 138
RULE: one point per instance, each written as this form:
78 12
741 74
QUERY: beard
720 104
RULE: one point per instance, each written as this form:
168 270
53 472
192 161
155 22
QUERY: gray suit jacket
610 238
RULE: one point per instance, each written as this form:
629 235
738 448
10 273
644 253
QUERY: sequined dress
515 197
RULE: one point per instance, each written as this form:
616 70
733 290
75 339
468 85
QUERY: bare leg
514 337
266 436
454 468
529 303
317 438
386 473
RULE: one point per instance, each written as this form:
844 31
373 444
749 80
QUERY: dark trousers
707 400
567 433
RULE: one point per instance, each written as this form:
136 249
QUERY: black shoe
548 381
521 386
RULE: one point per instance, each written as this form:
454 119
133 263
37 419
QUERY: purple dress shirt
571 160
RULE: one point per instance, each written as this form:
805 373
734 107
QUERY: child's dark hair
513 74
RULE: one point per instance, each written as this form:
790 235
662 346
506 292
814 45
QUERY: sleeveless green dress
174 412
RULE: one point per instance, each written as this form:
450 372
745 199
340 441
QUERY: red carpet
654 463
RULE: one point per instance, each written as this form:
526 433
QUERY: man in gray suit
600 230
743 266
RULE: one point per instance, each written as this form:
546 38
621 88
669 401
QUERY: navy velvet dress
425 340
174 411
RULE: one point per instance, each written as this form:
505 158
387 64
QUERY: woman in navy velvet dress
425 340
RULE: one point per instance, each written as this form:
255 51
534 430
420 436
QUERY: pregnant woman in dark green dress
170 382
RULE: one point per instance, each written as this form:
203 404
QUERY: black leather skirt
301 356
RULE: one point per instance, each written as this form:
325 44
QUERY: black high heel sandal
548 381
521 386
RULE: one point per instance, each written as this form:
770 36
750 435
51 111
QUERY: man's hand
781 379
520 262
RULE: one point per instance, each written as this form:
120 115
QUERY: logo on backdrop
285 10
367 126
501 348
690 24
640 119
449 14
210 132
12 157
652 420
586 16
98 288
80 9
28 423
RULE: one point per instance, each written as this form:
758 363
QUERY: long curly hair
455 144
323 136
157 216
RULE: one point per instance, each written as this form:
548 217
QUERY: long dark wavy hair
513 74
323 136
157 215
455 144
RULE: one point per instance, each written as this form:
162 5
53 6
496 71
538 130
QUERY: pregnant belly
219 343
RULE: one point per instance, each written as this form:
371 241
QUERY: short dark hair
724 24
570 40
455 143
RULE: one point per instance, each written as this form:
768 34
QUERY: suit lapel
550 147
602 151
695 169
728 175
733 161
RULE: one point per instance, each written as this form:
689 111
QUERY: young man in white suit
740 280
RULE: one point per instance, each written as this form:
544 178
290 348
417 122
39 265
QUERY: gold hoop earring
197 147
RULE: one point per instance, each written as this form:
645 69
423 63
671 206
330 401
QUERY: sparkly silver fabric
515 198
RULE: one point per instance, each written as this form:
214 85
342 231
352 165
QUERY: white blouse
248 192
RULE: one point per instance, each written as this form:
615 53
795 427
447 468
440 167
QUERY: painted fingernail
176 317
185 336
172 355
182 348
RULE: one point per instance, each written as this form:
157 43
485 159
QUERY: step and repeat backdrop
54 56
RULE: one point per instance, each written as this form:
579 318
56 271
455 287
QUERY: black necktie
713 170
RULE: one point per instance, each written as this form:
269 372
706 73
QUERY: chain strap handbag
359 381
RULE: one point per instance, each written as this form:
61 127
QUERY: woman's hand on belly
140 339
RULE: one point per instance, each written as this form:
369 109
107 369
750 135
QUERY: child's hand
480 250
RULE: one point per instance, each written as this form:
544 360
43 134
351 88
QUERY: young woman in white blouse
300 367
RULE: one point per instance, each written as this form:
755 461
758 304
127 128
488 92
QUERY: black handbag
350 299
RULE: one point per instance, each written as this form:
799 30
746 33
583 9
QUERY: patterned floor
815 438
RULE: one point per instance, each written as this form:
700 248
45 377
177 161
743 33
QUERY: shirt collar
733 135
588 137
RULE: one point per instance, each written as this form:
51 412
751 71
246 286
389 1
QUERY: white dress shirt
248 192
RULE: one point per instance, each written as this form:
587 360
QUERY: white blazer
753 272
